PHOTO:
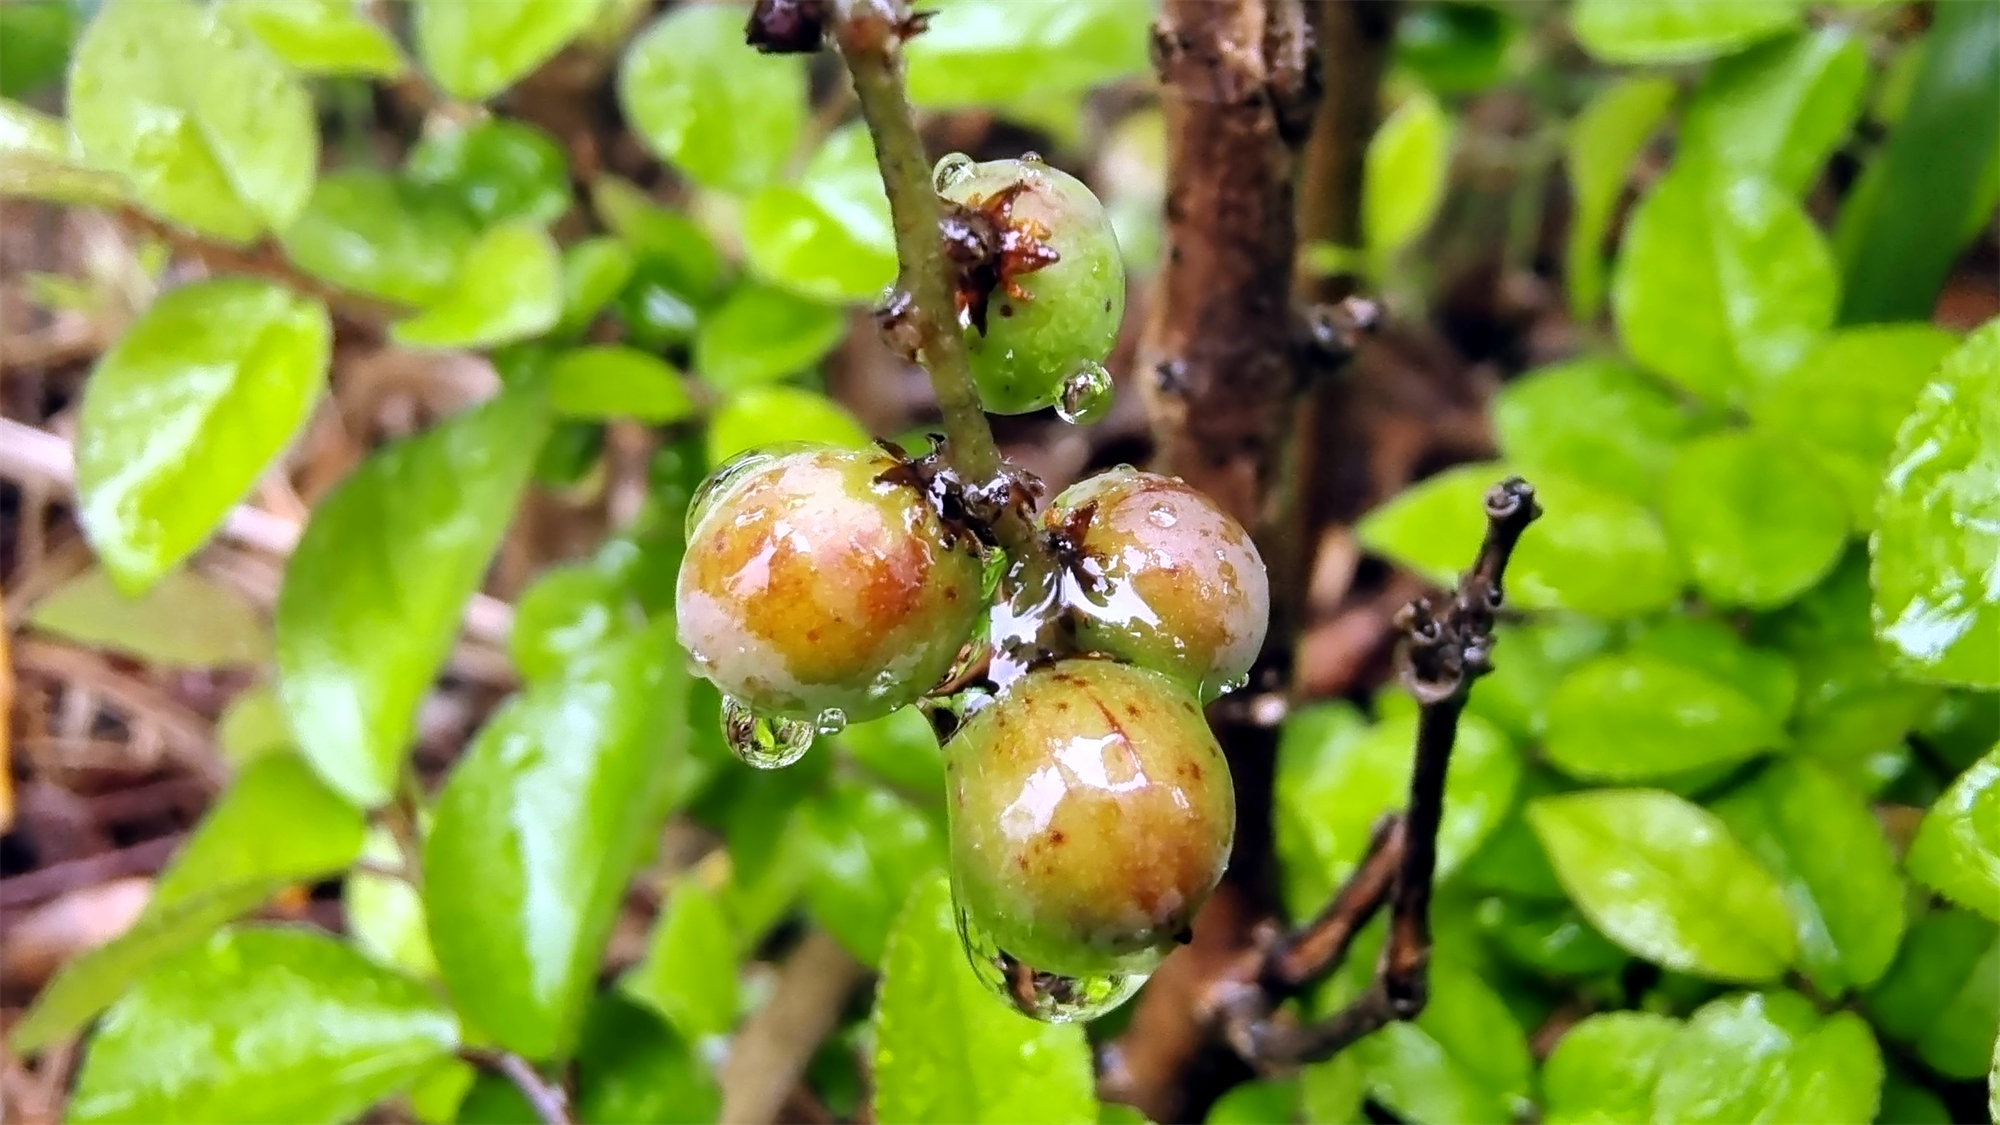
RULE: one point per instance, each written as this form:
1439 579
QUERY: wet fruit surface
1164 578
1046 321
811 585
1091 815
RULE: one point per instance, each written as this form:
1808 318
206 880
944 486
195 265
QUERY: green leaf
946 1049
1818 835
212 131
276 822
760 334
1780 108
1592 419
378 234
1602 143
1904 1102
632 1068
1664 879
594 270
900 748
1713 647
252 726
572 610
768 414
617 382
385 915
1406 171
43 161
1457 48
92 980
1938 524
261 1024
1757 525
372 596
1841 405
869 847
1515 694
1724 283
477 50
498 170
183 621
1330 1093
689 972
660 237
1592 551
321 36
1259 1101
508 287
1769 1057
34 44
1677 31
559 800
1639 716
184 413
828 237
1602 1069
1336 778
1904 226
1957 849
721 113
1463 1059
1942 996
999 52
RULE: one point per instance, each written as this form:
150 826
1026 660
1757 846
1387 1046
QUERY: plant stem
870 35
548 1100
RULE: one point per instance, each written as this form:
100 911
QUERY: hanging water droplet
832 721
719 481
1050 997
1212 690
762 741
950 168
1086 395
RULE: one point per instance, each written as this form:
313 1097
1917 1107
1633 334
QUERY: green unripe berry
1044 321
816 580
1166 579
1091 815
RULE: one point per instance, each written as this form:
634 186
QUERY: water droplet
762 741
1086 395
1212 690
1050 997
1161 515
719 482
951 168
832 721
1032 157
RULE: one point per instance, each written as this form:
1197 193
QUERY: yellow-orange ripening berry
1091 815
1165 579
812 583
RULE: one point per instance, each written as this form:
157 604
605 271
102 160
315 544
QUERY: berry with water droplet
1086 395
1091 814
1162 577
819 579
1041 284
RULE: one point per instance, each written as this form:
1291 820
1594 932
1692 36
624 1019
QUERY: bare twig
549 1101
18 892
772 1050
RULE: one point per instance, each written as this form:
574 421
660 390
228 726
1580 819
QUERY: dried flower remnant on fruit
990 250
787 27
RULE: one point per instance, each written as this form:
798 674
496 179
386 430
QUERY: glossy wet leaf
1593 419
1602 1069
768 414
1592 551
594 270
474 51
498 170
1677 31
277 821
998 52
1780 108
689 972
946 1049
1769 1057
869 848
385 915
1942 996
1711 646
211 129
1936 546
1817 834
571 610
321 36
1603 141
759 334
1665 879
1407 168
828 236
632 1067
185 620
1256 1102
1515 694
372 596
1639 716
252 726
261 1024
380 235
556 804
1335 779
1840 406
1463 1059
724 115
508 287
1957 849
1723 283
1458 48
660 236
187 410
609 381
901 748
1756 524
